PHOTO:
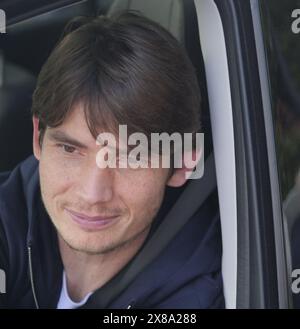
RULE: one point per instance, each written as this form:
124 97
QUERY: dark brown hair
124 69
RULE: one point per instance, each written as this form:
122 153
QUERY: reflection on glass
283 51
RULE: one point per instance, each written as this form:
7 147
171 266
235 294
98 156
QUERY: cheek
55 178
143 196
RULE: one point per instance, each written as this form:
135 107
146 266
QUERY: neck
87 272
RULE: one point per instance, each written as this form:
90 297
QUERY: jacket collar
44 261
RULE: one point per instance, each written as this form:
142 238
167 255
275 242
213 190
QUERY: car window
282 32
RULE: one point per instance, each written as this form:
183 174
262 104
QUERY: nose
96 185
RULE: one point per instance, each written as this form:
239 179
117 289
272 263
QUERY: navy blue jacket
187 273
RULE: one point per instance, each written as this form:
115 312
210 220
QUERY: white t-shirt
65 302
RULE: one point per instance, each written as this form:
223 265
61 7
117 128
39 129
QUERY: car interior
32 35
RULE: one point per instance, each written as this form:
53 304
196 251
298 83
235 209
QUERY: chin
85 245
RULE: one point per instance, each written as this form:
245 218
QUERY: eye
67 148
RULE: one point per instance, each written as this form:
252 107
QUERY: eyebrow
59 136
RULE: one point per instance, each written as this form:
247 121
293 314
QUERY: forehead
75 125
75 130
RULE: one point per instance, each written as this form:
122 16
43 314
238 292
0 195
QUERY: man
69 227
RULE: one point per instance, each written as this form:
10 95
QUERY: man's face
94 210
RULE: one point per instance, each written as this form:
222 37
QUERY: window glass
281 21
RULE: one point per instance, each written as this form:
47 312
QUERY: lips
92 222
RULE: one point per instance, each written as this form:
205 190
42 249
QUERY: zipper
31 278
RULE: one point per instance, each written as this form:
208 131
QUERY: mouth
92 223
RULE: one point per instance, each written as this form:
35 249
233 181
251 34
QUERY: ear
36 137
181 175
